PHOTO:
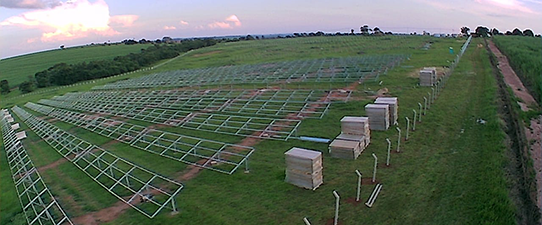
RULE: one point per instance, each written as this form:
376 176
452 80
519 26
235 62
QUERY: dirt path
510 77
533 131
52 165
103 216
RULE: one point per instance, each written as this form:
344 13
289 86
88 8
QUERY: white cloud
170 28
234 19
123 20
71 20
183 22
228 23
222 25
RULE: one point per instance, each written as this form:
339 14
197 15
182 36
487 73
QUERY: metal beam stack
304 168
345 149
428 76
355 136
393 104
379 118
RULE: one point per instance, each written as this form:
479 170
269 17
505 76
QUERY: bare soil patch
103 216
52 165
332 221
352 200
109 143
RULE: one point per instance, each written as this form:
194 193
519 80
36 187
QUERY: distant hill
17 69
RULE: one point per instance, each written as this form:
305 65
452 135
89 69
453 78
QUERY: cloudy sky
36 25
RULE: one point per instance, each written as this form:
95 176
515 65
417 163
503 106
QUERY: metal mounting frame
259 127
38 203
213 155
140 188
346 69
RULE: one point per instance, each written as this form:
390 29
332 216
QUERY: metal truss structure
262 102
140 188
260 127
38 204
346 69
213 155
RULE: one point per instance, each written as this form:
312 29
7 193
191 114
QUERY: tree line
65 74
482 31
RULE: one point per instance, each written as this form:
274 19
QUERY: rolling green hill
17 69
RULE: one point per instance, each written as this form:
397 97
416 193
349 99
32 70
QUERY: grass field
450 171
525 56
17 69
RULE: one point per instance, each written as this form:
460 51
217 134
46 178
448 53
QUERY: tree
4 86
62 47
494 31
528 32
26 87
365 29
482 31
508 33
377 31
465 31
517 32
352 32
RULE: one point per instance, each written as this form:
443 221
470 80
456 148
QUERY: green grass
525 56
274 50
451 170
443 177
17 69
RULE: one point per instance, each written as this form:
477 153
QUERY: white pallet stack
355 125
345 149
304 168
428 76
379 118
363 140
355 129
394 107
